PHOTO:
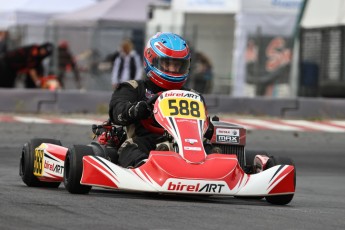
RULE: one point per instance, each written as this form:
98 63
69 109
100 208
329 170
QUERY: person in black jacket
65 61
27 60
167 63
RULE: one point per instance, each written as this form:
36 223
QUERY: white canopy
321 13
117 13
36 12
209 6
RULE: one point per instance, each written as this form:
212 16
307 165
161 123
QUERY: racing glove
140 110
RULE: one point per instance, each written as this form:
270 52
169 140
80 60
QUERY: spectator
127 65
3 42
66 62
202 74
27 60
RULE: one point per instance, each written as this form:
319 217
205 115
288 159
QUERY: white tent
320 13
36 12
116 13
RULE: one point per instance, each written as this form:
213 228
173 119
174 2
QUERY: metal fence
322 63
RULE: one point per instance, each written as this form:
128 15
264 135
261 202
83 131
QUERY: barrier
75 101
25 100
96 102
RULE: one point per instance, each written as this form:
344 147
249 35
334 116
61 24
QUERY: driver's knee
130 154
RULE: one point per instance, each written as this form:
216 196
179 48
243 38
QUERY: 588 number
183 107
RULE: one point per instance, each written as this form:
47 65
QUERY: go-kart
188 167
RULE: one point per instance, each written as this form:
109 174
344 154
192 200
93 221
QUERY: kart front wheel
26 165
74 167
280 199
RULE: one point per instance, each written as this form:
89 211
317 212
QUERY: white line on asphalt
80 121
32 120
315 125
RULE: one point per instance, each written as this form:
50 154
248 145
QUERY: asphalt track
319 201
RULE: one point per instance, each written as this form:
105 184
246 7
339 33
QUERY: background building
321 60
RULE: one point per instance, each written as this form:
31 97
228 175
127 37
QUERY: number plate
38 162
182 108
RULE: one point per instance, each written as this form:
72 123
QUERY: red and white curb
336 126
50 120
290 125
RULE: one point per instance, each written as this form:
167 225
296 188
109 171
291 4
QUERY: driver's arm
34 77
125 108
124 96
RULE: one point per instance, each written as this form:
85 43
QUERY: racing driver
166 62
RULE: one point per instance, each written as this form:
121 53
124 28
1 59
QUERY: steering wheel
149 122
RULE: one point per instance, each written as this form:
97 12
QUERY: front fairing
183 115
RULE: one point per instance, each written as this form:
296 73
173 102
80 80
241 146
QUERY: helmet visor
172 65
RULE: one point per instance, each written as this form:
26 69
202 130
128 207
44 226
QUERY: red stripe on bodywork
247 179
57 151
93 176
287 184
96 162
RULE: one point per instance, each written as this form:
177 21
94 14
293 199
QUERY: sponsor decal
182 94
186 120
193 186
230 132
148 94
228 135
228 139
191 141
53 167
192 148
191 95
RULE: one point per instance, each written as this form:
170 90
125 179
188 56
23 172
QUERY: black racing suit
141 141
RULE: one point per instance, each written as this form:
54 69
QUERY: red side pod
51 160
95 173
287 184
235 177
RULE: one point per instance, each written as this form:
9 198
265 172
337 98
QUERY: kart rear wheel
26 165
281 199
73 169
250 155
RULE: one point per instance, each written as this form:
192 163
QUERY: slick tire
281 199
26 165
74 167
